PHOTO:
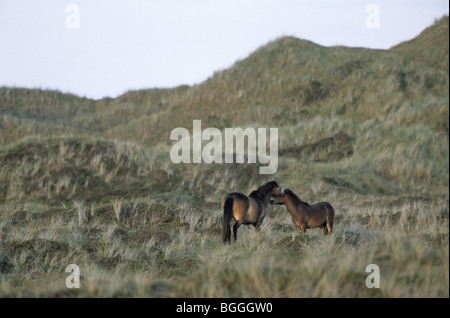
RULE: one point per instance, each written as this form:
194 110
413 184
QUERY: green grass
90 182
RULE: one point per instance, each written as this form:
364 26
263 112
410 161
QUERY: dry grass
144 255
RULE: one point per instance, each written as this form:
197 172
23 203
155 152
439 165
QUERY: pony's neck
266 198
293 203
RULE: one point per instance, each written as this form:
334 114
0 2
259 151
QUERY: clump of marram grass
117 208
81 211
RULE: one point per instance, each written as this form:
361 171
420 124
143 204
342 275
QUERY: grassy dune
90 182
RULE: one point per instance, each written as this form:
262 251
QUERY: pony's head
277 200
267 190
277 190
281 198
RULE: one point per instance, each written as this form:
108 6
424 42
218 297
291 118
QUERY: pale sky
133 44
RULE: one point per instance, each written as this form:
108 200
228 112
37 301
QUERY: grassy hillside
429 47
90 182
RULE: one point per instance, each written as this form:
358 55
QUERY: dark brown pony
305 216
247 209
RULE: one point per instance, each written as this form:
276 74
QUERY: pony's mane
263 190
292 194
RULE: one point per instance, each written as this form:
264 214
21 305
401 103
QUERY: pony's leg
329 227
323 229
235 228
257 225
302 228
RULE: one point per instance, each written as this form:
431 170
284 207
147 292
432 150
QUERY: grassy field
90 182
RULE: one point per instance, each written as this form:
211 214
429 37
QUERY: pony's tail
330 218
227 215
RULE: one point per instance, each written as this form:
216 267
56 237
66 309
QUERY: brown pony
247 209
307 216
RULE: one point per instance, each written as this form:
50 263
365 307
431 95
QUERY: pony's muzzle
271 201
